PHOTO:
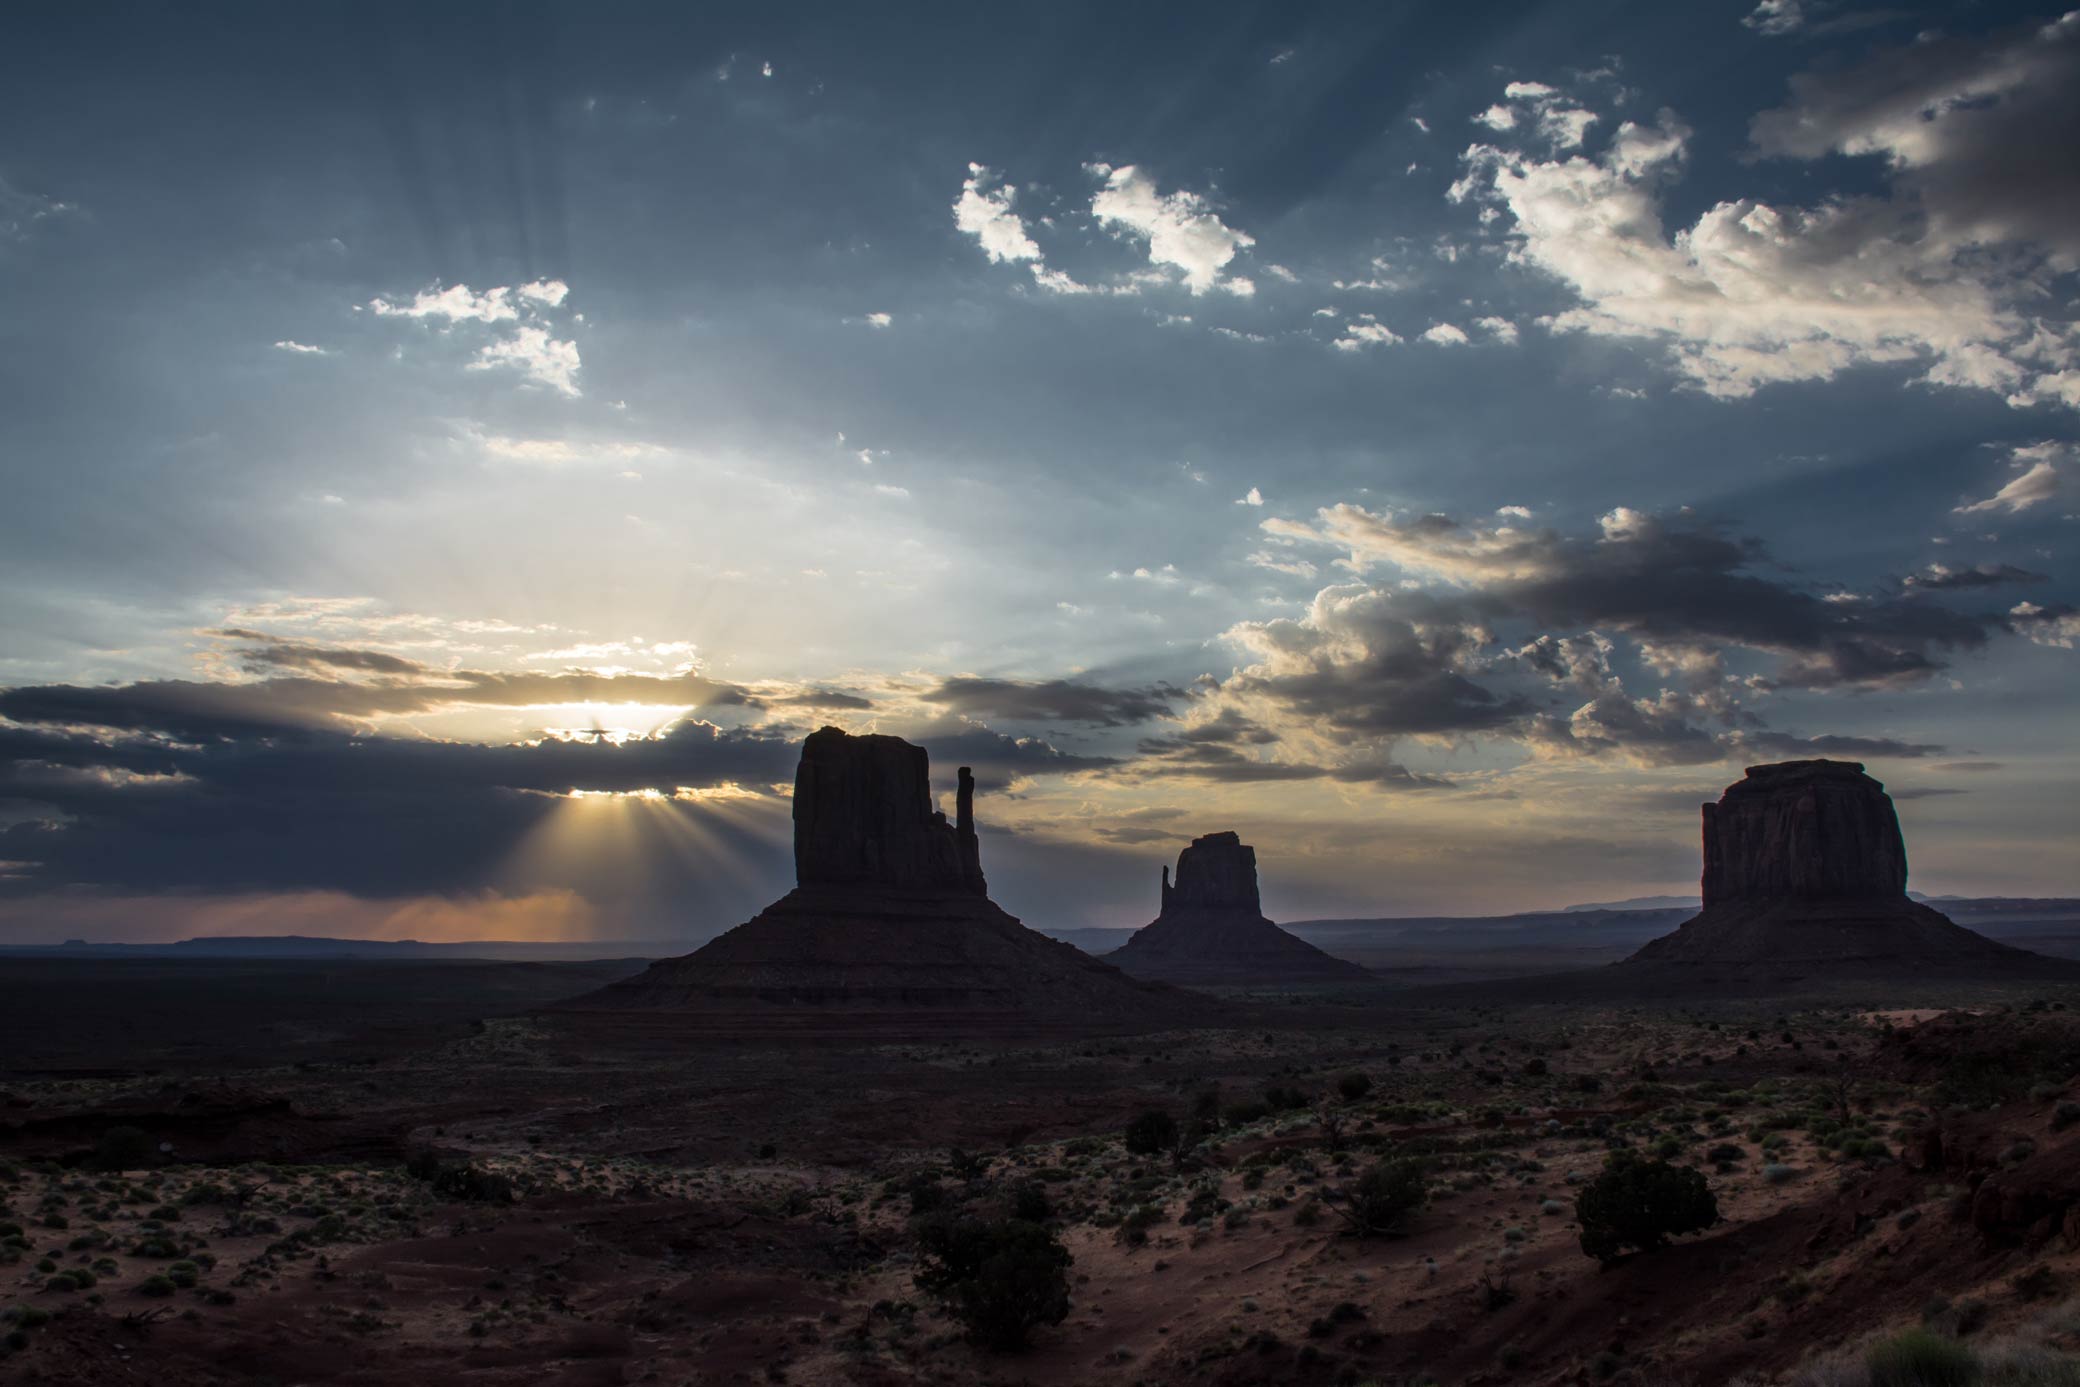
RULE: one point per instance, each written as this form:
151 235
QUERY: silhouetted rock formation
891 916
863 816
1212 931
1803 865
1803 831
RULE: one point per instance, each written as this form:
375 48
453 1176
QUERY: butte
1805 871
1212 932
890 921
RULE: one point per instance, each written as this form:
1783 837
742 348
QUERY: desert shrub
1354 1086
1381 1199
1778 1173
1284 1098
1919 1358
1152 1133
123 1148
1308 1214
156 1286
1535 1068
1000 1279
1242 1114
462 1181
2038 1283
1029 1201
926 1194
1640 1203
1133 1228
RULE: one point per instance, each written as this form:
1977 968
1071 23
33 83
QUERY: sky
452 454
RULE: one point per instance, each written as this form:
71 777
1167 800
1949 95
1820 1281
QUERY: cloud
557 452
1839 747
374 816
1055 700
540 357
1365 331
296 691
2059 626
1669 580
300 348
147 788
23 212
1942 578
457 303
1180 228
1501 329
1363 662
1281 563
998 759
1555 119
1953 271
1976 130
1235 749
2043 479
880 319
1445 335
523 338
984 212
1252 497
1776 17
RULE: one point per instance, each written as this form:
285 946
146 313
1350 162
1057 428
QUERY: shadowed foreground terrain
594 1198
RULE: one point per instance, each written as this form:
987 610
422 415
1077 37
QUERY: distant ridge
304 946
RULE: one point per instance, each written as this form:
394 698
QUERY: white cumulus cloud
2042 479
1180 228
521 319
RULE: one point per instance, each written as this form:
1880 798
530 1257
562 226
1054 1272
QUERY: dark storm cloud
288 703
1358 664
1980 129
1213 751
1940 578
1678 581
192 785
1055 700
2055 624
1399 661
995 757
261 652
1686 583
1833 747
1230 728
369 815
818 698
1653 732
